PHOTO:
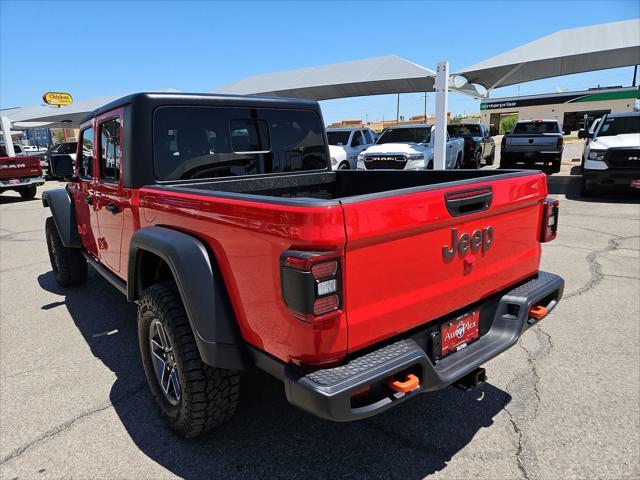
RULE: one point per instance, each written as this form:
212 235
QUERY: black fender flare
201 288
59 202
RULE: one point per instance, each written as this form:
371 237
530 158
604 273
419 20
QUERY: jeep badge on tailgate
479 239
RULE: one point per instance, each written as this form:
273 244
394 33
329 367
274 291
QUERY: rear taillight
550 209
560 142
311 284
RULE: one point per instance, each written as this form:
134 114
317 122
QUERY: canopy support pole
6 134
442 103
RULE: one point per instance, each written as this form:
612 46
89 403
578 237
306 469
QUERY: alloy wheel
164 362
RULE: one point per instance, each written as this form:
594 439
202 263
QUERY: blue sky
96 48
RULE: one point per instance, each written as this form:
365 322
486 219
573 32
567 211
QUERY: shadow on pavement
571 187
267 437
6 199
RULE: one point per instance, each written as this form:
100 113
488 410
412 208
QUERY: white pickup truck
409 147
345 144
612 157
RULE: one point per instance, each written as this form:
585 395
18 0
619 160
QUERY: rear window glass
213 142
536 127
464 130
67 148
249 136
338 137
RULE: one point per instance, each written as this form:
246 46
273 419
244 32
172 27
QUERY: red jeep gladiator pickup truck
222 218
22 174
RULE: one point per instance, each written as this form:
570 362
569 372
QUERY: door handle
113 208
88 200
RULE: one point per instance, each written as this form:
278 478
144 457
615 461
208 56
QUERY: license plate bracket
459 332
14 181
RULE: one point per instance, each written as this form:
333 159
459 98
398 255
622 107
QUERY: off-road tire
343 166
555 166
209 395
68 264
29 192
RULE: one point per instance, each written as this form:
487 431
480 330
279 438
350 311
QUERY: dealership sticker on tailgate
458 333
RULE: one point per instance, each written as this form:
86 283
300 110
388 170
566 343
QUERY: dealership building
569 108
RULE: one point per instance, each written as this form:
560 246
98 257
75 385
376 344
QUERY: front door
108 190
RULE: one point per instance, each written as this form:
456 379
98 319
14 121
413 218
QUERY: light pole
426 96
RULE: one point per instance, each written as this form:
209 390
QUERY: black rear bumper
328 393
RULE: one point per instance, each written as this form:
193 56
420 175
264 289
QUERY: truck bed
389 227
339 187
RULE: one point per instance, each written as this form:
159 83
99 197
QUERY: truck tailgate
19 167
524 143
397 275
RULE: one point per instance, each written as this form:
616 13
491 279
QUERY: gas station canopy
576 50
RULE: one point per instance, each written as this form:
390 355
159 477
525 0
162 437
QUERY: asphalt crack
519 447
67 425
595 268
517 410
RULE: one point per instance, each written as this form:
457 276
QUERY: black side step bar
109 277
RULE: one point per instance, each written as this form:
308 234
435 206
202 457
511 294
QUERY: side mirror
61 166
584 133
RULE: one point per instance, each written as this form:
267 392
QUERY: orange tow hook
411 383
538 312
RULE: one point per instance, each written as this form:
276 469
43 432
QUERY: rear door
108 189
82 190
409 259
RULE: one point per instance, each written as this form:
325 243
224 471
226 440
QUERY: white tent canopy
372 76
59 117
71 115
576 50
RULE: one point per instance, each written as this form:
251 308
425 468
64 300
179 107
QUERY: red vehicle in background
21 174
222 218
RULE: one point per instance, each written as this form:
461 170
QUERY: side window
110 150
368 139
357 139
85 164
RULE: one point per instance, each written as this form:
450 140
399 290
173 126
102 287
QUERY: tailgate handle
464 202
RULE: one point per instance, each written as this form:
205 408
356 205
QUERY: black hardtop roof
155 99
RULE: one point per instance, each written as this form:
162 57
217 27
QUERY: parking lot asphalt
563 403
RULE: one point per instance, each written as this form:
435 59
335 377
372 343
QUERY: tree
507 122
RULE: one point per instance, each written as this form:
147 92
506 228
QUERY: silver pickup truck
533 141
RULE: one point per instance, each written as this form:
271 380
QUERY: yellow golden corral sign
57 98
